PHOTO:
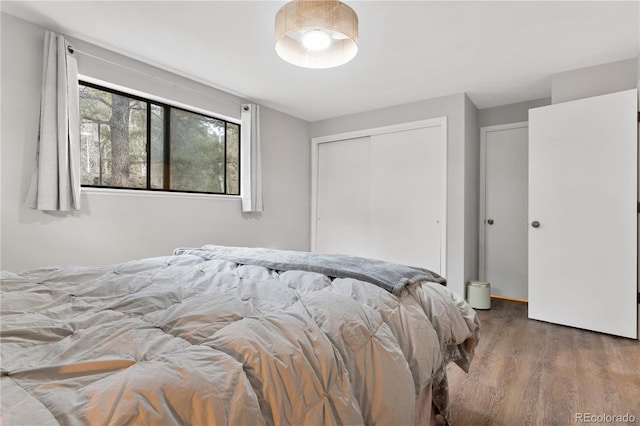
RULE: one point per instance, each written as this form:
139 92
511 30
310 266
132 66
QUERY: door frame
412 125
484 131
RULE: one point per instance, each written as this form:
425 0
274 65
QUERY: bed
221 335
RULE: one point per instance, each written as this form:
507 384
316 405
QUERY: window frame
166 106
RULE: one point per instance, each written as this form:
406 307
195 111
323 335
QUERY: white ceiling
497 52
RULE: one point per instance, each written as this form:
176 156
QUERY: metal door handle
490 221
535 224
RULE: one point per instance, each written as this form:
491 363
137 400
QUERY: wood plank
529 372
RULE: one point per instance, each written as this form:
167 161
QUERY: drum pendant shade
316 33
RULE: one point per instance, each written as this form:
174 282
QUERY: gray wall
512 113
116 226
471 193
594 81
462 170
567 86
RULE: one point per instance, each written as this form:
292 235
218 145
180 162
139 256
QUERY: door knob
490 221
535 224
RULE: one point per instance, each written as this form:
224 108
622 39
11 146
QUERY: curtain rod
73 50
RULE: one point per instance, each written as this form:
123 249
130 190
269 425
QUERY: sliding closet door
384 196
406 196
582 213
343 207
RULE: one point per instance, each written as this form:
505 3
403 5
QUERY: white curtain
55 184
250 164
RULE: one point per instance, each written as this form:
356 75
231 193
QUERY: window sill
155 194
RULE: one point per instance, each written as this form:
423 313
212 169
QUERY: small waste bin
479 295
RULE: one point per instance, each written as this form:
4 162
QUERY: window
135 143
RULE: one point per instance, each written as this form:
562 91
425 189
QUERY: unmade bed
231 336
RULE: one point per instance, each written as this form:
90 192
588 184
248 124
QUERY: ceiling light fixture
316 33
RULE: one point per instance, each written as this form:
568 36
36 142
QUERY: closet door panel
383 195
407 196
343 197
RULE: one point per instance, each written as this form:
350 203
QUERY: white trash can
479 295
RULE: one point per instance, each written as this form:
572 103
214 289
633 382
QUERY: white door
343 213
384 196
504 209
407 194
582 209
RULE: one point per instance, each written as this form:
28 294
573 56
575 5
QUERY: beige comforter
187 340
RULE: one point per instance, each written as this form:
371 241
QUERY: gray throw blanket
392 277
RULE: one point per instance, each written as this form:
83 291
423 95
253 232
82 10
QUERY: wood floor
528 372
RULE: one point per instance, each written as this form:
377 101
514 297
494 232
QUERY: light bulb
316 40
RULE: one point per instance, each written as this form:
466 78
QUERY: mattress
234 336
